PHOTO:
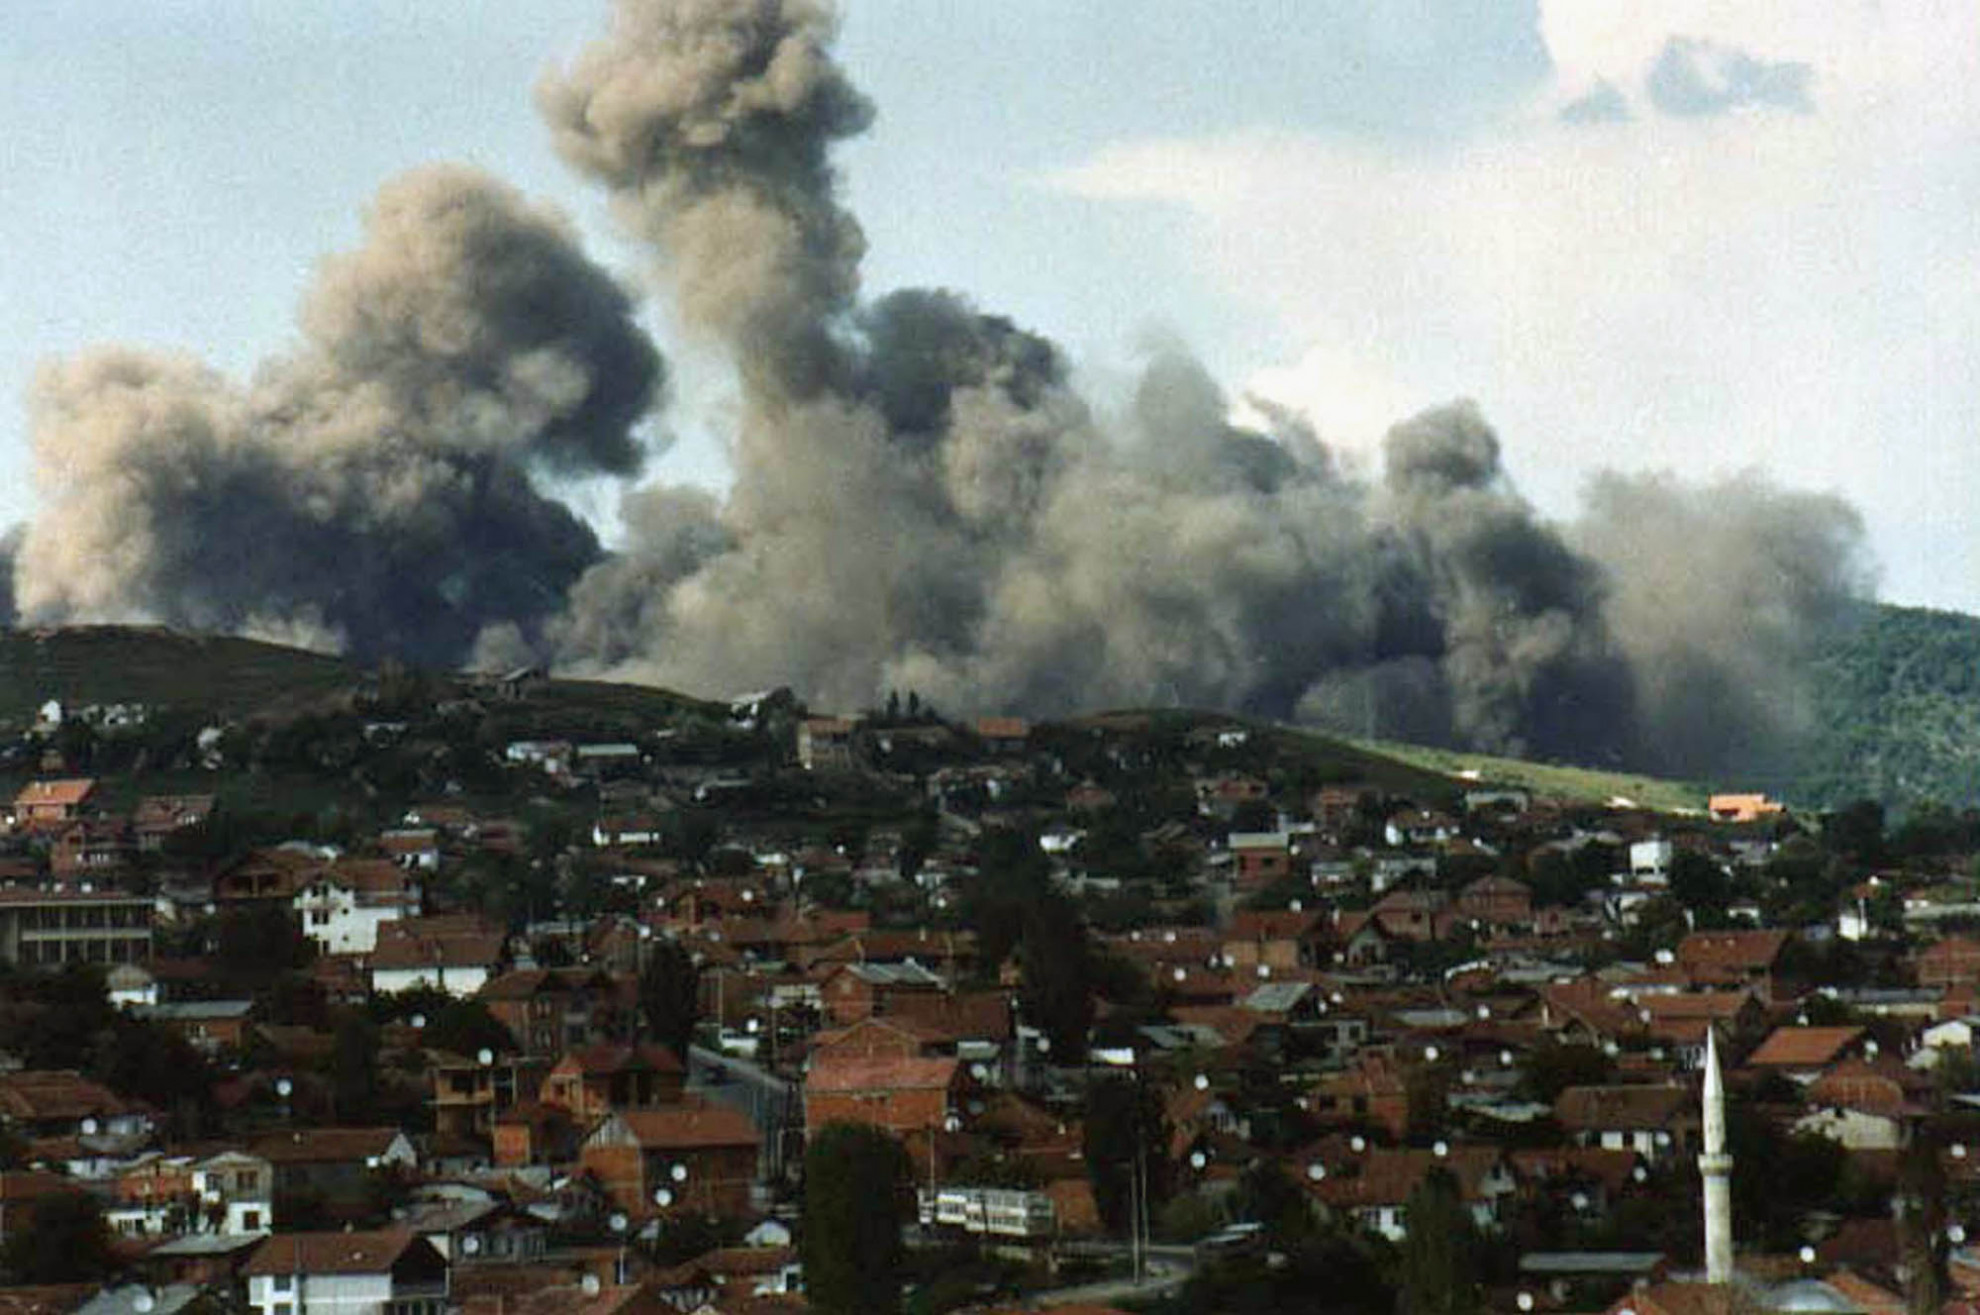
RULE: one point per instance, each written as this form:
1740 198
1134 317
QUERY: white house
370 1273
1650 862
456 953
342 909
236 1193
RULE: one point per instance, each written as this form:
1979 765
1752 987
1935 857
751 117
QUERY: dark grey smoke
921 498
1721 594
376 489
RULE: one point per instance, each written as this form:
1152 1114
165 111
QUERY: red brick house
548 1010
44 804
901 1096
1280 939
697 1157
593 1081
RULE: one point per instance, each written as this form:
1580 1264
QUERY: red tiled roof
1803 1047
323 1145
373 1252
610 1057
62 794
687 1125
1596 1108
1731 951
836 1073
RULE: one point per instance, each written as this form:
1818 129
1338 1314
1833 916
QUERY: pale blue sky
1760 253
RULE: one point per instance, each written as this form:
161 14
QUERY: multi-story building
385 1272
54 925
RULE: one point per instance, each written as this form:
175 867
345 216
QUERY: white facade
342 920
1650 861
320 1294
236 1194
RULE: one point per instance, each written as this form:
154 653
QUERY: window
247 1180
284 1282
250 1220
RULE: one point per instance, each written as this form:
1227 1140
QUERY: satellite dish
1524 1301
1808 1255
678 1173
1956 1234
1197 1159
1959 1150
590 1284
89 1127
485 1055
1430 1053
1440 1149
142 1303
1357 1143
470 1245
1505 1059
1264 970
617 1221
419 1020
1316 1171
663 1196
1202 1082
1181 974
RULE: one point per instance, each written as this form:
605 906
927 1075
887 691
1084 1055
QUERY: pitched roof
612 1057
450 942
685 1126
373 1252
54 794
1639 1106
844 1074
1731 951
56 1094
324 1145
1803 1047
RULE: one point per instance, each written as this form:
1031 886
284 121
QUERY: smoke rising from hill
921 499
376 488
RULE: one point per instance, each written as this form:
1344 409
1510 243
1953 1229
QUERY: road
771 1103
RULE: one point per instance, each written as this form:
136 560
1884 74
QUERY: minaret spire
1715 1168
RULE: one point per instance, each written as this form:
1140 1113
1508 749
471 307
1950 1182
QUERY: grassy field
164 669
1576 783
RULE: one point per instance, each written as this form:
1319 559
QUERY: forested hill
1896 703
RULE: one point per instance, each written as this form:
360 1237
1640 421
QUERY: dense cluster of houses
1353 988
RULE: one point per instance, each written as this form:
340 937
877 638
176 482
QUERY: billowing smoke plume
921 499
376 488
1721 595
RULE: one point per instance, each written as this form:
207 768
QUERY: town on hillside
504 995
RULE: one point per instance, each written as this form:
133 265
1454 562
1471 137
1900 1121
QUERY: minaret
1715 1167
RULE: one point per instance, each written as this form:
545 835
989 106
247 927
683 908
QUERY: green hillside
1578 784
1896 704
161 668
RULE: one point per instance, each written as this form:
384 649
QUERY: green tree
354 1068
1125 1131
1440 1263
65 1241
670 995
1552 1067
857 1186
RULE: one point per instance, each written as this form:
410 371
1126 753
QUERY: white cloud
1796 291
